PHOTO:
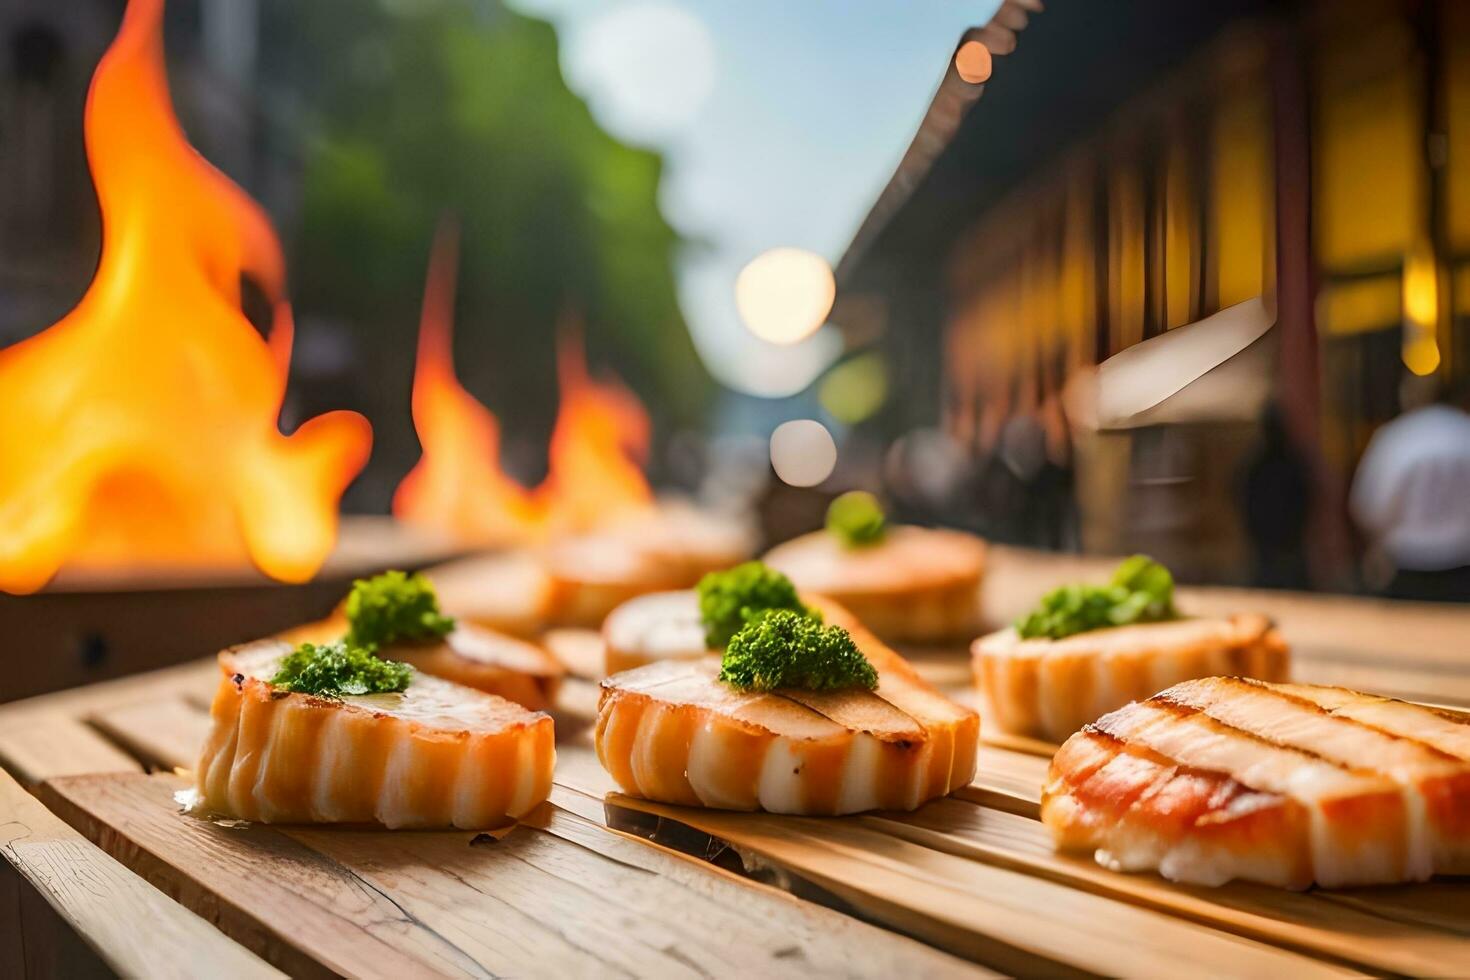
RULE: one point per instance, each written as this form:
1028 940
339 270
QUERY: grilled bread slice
672 732
1049 689
434 755
1286 784
655 627
917 585
670 547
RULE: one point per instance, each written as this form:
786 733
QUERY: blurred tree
421 106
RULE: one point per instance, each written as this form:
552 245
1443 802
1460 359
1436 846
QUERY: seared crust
919 585
1284 784
435 755
1049 689
671 732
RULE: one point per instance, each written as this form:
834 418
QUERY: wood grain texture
1375 928
1016 922
164 733
44 745
545 900
132 927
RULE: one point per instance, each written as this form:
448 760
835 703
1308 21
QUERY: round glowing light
802 452
972 62
785 294
854 390
1421 355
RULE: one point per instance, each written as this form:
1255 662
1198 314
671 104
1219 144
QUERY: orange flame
142 427
458 486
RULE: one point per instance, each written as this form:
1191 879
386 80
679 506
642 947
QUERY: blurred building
49 236
1129 170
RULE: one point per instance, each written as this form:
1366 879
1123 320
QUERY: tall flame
457 484
142 427
601 434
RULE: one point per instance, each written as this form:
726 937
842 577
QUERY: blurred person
1411 495
1276 498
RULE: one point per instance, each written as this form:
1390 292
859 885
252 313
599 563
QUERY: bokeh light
802 452
972 62
855 389
784 294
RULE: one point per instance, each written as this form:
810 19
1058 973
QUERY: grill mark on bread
1309 704
1166 703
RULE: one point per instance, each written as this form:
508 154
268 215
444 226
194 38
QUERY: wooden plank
1397 933
164 733
258 886
1009 920
551 900
42 746
1007 780
130 925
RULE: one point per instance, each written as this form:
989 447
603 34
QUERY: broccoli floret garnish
857 519
391 607
1141 591
730 599
782 648
334 669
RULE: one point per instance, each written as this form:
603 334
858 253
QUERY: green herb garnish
730 599
334 669
1141 591
857 519
782 648
391 607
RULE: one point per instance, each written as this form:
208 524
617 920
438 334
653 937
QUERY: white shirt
1411 493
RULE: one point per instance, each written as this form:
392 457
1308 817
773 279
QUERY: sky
779 121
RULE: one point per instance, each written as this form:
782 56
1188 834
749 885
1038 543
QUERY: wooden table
599 884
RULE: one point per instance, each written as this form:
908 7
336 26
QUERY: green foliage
1141 591
782 648
334 669
393 607
730 599
857 519
459 105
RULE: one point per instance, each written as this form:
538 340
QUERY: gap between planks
135 929
562 898
1009 781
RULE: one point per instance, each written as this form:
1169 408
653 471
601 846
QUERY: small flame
142 427
457 484
593 476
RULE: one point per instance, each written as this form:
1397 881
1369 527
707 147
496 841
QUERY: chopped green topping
391 607
334 669
786 649
730 599
857 519
1141 591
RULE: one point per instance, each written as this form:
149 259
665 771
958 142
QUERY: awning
1216 369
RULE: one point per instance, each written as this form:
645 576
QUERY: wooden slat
548 901
44 745
1380 935
1007 780
165 733
131 925
261 888
1388 677
1012 921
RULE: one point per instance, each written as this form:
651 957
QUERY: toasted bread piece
1223 778
918 585
670 547
654 627
671 731
1049 689
435 755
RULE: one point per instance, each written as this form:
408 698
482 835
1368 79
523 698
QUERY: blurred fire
142 427
602 433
